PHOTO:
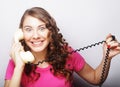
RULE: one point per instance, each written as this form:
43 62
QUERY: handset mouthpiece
113 37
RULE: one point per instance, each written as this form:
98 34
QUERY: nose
35 35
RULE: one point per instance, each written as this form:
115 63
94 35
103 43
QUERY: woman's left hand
113 45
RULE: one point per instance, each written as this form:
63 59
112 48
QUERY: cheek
27 36
47 34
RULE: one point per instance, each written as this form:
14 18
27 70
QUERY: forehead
29 20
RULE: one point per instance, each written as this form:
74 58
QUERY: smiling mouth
37 43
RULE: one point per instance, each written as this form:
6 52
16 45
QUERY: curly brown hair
58 47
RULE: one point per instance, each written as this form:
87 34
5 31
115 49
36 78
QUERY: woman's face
36 35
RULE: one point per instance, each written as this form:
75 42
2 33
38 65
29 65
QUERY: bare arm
93 76
19 66
16 78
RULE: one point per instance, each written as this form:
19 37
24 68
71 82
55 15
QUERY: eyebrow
31 26
26 26
42 24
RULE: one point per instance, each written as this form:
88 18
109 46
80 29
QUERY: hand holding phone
26 56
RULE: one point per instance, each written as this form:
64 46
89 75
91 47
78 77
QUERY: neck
39 56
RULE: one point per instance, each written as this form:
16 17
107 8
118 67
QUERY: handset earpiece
18 35
26 56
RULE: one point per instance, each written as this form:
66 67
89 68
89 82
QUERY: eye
28 29
42 28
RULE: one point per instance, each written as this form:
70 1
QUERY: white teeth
36 43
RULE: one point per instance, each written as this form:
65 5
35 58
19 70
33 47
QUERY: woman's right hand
15 54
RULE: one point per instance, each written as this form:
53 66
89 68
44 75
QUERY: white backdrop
82 22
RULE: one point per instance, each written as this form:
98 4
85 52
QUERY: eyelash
28 29
42 28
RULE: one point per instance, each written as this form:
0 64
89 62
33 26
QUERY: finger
113 44
112 38
21 48
108 36
16 47
118 47
117 50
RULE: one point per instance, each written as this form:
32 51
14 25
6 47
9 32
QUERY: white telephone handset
26 56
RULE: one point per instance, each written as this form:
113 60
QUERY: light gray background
82 22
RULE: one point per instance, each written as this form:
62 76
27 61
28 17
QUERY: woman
56 64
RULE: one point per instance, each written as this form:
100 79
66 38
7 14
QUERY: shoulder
74 55
75 60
